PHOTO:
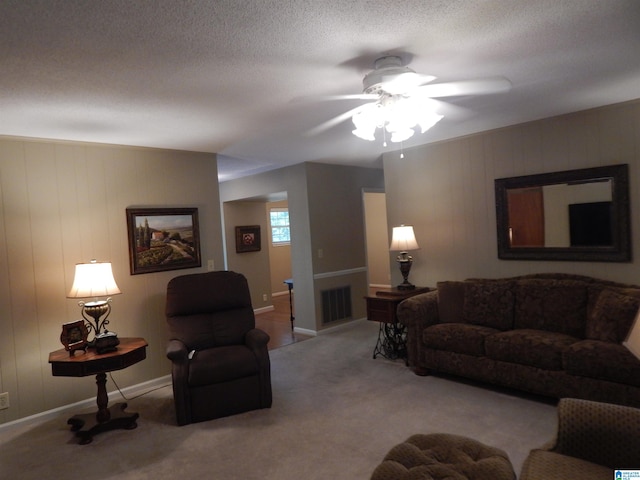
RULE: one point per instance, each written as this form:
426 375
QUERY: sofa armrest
601 433
417 313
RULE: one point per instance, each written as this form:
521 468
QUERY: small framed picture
248 238
163 239
74 335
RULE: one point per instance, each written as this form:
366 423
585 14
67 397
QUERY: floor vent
336 304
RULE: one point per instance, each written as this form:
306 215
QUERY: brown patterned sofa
556 335
593 441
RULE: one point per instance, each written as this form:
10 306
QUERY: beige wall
253 265
336 212
291 180
62 204
449 195
266 269
326 213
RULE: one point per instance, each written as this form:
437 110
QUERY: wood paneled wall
64 203
446 190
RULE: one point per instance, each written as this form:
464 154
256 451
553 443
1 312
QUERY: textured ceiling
239 77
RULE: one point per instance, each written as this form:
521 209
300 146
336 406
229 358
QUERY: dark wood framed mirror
573 215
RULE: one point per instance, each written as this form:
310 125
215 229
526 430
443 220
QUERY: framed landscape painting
163 239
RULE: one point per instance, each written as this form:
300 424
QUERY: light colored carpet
336 412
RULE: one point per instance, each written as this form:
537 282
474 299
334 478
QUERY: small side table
130 351
392 335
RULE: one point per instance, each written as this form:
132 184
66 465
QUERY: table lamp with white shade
403 240
94 280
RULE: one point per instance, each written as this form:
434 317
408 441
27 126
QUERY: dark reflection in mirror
578 215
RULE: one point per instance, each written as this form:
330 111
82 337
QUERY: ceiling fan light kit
395 114
401 101
395 111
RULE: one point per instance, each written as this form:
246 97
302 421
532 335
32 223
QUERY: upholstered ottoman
444 456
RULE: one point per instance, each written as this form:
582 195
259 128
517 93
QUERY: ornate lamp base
405 261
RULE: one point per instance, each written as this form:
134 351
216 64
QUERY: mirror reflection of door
526 217
552 206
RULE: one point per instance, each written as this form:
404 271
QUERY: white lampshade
633 339
93 279
403 239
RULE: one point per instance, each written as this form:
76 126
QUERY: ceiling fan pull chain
401 149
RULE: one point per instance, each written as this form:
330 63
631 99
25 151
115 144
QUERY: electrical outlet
4 400
264 297
210 266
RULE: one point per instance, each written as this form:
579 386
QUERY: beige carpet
336 412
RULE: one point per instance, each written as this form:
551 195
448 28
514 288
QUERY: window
280 231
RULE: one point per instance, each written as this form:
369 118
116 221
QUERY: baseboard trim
132 391
324 331
268 308
305 331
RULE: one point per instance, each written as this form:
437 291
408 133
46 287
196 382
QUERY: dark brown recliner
220 361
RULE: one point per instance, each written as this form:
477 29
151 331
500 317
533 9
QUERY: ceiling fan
401 100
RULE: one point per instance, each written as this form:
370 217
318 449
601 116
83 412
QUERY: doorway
265 269
376 239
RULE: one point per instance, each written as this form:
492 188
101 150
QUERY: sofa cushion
612 316
602 360
536 348
489 303
457 337
552 305
450 301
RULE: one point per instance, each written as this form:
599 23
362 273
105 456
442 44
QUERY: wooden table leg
89 424
102 399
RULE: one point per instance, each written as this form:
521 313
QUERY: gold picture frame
163 239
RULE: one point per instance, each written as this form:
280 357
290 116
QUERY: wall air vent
336 304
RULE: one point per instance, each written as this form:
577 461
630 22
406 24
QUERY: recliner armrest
256 339
177 351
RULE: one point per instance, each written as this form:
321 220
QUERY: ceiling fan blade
355 96
398 84
449 110
334 121
330 98
465 87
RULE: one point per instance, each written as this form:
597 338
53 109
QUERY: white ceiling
235 76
